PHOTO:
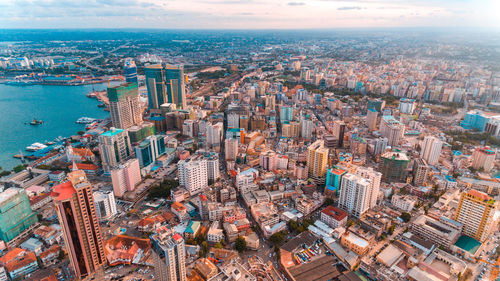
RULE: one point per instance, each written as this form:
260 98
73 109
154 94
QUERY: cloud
296 3
349 8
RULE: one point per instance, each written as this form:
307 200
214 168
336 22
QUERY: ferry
85 120
35 146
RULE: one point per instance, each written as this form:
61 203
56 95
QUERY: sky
248 14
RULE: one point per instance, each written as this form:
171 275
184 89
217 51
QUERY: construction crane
495 270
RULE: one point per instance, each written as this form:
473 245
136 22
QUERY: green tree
391 229
241 244
204 249
406 217
292 225
328 202
18 168
218 245
278 237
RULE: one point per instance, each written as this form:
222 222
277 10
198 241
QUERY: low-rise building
435 231
333 216
404 202
354 243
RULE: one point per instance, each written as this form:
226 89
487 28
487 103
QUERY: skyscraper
431 149
130 71
394 166
169 256
420 171
306 128
475 211
374 179
166 84
371 119
338 131
114 148
16 215
286 113
354 195
124 106
79 222
126 176
317 159
231 149
483 158
392 129
193 174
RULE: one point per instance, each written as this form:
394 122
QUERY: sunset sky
248 14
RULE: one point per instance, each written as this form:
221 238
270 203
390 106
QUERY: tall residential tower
79 223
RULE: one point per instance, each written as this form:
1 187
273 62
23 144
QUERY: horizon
248 15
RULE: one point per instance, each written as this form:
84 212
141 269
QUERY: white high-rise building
306 128
233 120
169 255
105 204
231 148
193 174
431 149
392 129
214 135
380 146
354 194
374 178
407 106
213 172
114 148
126 177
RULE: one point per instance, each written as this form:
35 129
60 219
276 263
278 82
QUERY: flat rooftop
468 244
317 270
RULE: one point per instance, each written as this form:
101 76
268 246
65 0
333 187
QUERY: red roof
479 194
63 191
83 166
334 212
203 197
177 237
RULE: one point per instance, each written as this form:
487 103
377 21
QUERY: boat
101 105
35 146
91 125
85 120
92 95
36 122
50 142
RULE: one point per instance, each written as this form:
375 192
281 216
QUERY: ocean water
58 106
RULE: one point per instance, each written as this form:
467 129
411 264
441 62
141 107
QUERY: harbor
58 107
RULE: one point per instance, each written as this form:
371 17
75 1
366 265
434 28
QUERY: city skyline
235 14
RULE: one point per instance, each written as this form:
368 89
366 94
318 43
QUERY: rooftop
468 244
112 132
334 212
63 191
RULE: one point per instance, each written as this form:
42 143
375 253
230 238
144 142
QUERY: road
95 67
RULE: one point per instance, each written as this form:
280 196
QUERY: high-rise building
105 204
334 177
126 177
130 71
306 128
420 172
150 149
16 215
193 174
317 159
392 129
407 106
79 224
114 148
286 113
377 104
374 179
476 211
371 119
166 84
125 109
483 158
231 148
338 131
169 255
380 146
214 135
354 194
431 149
394 166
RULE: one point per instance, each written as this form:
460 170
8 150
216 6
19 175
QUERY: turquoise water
58 106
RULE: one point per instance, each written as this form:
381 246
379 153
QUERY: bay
58 106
